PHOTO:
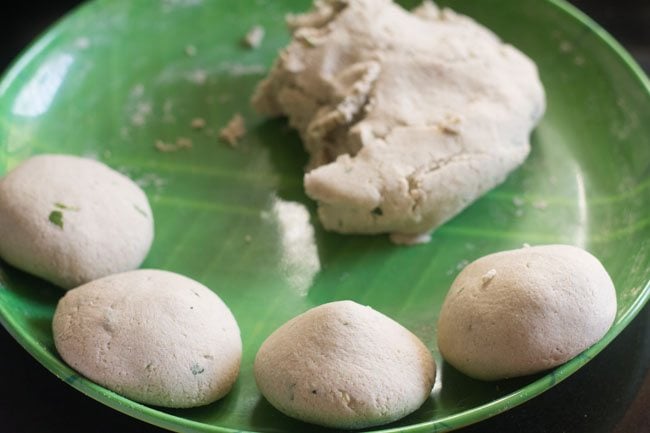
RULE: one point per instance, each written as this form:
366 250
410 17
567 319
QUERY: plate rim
177 423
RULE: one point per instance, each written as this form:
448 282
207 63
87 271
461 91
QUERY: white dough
519 312
408 117
153 336
344 365
71 220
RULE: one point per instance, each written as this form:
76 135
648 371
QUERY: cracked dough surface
523 311
407 117
344 365
153 336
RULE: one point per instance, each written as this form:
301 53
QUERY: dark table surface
611 394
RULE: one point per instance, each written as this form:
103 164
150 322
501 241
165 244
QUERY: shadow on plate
267 418
211 413
455 384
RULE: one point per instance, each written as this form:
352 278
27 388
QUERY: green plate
114 77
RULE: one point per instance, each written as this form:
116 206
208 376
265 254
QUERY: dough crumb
181 143
254 37
488 276
184 143
142 111
190 50
198 123
518 201
540 204
163 147
566 46
233 131
198 77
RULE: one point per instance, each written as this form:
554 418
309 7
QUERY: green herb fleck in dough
197 369
140 211
377 211
56 218
65 207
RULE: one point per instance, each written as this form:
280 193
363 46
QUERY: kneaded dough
344 365
153 336
408 117
519 312
70 220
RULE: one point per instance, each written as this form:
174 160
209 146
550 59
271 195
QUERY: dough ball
408 117
519 312
71 220
344 365
153 336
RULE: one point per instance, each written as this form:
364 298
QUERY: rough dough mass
153 336
344 365
71 220
407 117
519 312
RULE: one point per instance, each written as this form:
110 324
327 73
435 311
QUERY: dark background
609 395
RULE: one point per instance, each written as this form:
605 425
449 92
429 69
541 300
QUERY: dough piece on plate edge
408 117
344 365
71 220
523 311
153 336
